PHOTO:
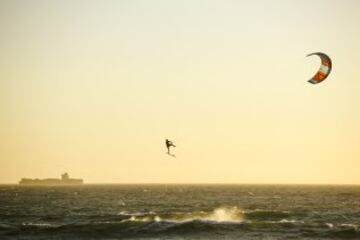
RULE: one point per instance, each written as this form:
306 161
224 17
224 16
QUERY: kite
324 70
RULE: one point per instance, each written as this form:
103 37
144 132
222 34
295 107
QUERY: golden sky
95 87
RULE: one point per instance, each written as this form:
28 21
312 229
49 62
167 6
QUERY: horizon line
193 183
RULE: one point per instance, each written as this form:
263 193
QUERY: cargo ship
64 181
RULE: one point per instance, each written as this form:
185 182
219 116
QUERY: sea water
180 212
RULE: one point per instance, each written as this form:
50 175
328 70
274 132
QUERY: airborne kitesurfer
168 145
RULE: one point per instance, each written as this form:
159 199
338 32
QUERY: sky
93 88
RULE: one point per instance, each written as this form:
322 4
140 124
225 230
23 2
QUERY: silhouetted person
168 145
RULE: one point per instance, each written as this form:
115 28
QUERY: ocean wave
355 226
127 213
218 215
261 214
285 221
225 220
349 231
40 225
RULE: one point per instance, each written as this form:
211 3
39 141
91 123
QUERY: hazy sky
95 87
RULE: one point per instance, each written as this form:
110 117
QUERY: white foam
126 213
48 225
219 215
290 221
121 202
157 219
330 225
349 225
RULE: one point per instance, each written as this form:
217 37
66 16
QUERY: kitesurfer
168 145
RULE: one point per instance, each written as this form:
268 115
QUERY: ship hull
50 182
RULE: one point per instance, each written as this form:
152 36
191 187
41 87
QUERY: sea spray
226 214
221 214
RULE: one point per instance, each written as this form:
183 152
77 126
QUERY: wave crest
219 215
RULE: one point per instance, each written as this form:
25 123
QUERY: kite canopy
324 70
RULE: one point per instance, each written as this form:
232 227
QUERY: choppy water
180 212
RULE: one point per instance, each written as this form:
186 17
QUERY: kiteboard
171 154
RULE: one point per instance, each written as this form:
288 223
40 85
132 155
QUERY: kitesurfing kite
324 70
168 145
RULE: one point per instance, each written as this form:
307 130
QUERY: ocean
180 212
